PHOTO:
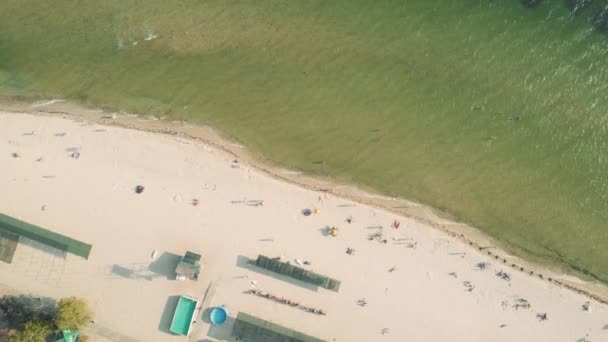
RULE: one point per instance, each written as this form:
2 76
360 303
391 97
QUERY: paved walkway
199 330
103 334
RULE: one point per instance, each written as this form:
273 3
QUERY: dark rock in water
577 5
601 20
530 3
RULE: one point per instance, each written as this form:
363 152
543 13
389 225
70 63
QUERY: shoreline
421 213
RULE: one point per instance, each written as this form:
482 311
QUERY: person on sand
586 306
482 265
384 331
396 224
255 203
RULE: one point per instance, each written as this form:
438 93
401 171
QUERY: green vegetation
18 310
72 314
488 110
34 319
33 331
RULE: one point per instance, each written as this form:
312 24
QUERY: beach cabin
67 336
188 266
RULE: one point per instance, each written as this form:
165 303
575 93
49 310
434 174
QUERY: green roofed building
189 266
43 236
252 329
68 336
292 271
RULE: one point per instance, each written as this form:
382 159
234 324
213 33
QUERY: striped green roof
44 236
295 272
253 329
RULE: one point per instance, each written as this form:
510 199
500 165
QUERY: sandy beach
414 282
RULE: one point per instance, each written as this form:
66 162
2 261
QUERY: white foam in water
150 35
46 103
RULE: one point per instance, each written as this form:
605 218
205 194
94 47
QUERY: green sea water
493 111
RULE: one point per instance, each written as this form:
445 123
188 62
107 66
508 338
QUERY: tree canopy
72 313
18 310
33 331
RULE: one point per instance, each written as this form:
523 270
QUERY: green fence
289 270
46 237
253 329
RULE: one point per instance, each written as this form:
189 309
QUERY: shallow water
490 110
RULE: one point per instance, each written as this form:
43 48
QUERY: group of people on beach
263 294
379 236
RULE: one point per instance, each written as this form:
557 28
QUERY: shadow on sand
8 246
164 266
167 315
243 262
222 332
325 231
43 248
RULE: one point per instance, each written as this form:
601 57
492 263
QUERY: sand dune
421 285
